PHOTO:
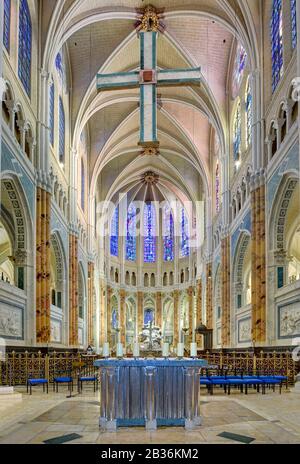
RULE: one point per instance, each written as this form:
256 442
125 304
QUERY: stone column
258 258
43 209
102 312
108 313
123 316
191 313
225 276
73 289
209 300
91 309
140 311
199 302
176 318
158 310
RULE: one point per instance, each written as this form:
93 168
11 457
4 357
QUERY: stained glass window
217 188
131 234
238 72
114 233
148 316
149 233
237 132
249 114
168 234
59 65
25 38
6 25
114 319
62 130
276 43
184 242
51 114
82 185
294 23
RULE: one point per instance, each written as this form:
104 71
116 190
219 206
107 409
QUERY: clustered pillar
225 298
158 310
123 316
258 258
209 302
43 208
73 290
91 309
176 317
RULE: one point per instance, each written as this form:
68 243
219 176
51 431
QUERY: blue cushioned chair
31 382
255 382
87 379
62 380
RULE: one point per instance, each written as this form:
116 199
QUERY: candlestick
105 350
165 350
119 352
180 350
136 350
194 350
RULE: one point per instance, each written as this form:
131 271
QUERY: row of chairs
243 382
83 376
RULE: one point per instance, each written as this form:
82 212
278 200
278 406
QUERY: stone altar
149 392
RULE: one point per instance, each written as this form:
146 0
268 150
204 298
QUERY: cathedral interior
150 186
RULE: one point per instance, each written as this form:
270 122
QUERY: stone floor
271 418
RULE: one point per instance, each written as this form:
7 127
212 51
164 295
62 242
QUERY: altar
149 392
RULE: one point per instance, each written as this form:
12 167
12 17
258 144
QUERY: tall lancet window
149 233
294 23
131 233
249 114
237 132
239 67
25 43
168 234
62 131
51 114
276 43
114 233
217 187
6 24
184 239
82 199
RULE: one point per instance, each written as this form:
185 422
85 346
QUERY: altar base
149 393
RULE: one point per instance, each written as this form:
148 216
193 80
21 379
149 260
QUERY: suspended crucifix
148 77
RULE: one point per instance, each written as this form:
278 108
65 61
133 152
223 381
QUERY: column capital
258 179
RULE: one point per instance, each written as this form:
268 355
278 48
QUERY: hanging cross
148 78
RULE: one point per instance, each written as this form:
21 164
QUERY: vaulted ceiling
99 35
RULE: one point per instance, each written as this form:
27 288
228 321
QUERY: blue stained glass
239 66
237 132
184 243
294 23
149 233
51 114
6 24
276 43
62 130
131 234
114 233
249 114
114 319
82 185
25 39
168 234
148 316
59 65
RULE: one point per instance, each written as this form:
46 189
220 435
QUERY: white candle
136 350
180 350
165 350
119 350
105 350
194 350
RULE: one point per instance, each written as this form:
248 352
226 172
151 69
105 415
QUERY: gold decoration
150 178
150 151
150 19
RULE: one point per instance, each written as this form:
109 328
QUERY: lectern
149 392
